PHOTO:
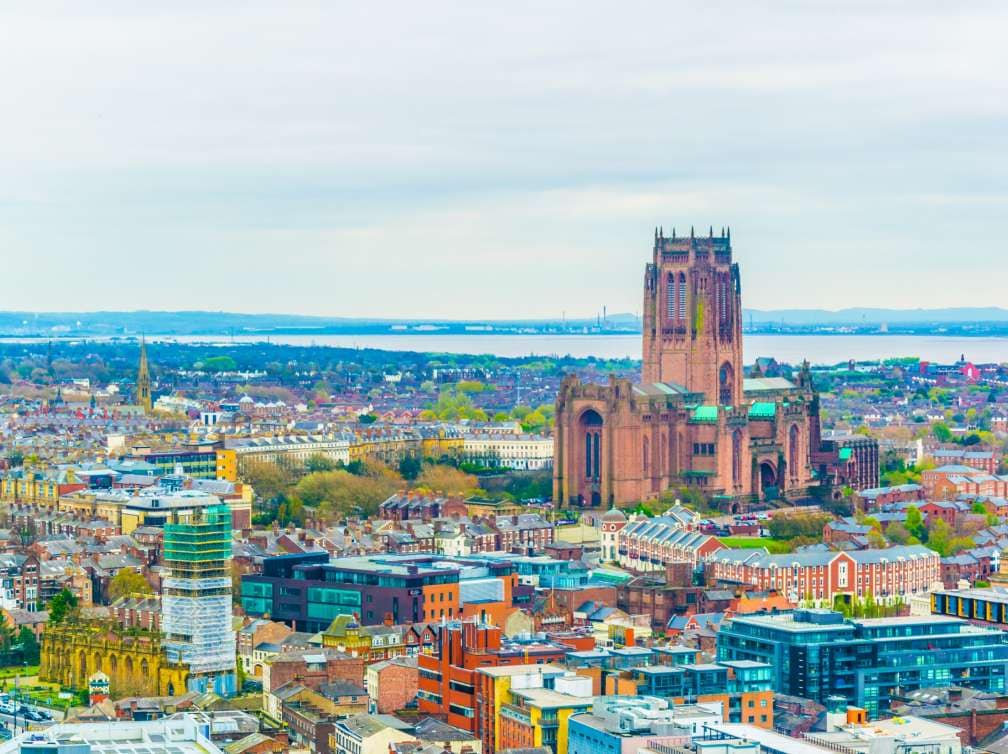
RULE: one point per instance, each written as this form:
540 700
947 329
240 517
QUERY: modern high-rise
817 654
196 598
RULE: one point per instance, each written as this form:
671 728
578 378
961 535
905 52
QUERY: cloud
440 159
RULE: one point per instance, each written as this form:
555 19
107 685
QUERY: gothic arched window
736 466
681 303
670 289
793 440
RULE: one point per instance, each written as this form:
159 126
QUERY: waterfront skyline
411 163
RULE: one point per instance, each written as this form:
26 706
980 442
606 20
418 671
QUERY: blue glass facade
817 654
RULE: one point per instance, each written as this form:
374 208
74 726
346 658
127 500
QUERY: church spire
143 386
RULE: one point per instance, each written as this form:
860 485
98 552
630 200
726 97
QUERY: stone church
693 419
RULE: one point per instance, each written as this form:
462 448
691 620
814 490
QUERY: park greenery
62 606
328 491
128 582
867 607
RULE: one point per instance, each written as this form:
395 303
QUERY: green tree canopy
337 493
128 582
319 462
63 604
941 432
30 649
220 364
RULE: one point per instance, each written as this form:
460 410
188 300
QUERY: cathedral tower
143 386
692 316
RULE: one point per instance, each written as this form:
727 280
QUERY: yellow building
525 714
439 443
35 488
135 662
344 634
227 464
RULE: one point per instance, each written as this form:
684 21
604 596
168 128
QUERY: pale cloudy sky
497 159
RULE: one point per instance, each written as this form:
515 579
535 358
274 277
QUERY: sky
500 160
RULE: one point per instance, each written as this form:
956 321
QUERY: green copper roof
845 454
697 473
762 410
705 414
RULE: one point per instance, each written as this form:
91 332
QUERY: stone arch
97 662
794 441
646 455
768 478
82 667
144 667
129 666
113 663
590 424
257 670
726 384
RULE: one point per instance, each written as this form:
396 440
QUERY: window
681 302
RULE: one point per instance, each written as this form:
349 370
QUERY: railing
670 745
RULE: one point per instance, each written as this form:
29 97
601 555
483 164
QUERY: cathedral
694 419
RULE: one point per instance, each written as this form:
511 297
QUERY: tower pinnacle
143 386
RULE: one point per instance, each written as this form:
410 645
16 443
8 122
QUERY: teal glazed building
818 653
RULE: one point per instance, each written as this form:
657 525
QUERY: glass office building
818 653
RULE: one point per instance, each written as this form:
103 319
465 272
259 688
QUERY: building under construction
196 598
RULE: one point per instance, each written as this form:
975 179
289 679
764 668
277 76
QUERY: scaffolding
196 598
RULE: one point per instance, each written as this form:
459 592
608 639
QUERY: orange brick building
448 681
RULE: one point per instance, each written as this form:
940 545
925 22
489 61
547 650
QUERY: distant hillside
54 324
862 316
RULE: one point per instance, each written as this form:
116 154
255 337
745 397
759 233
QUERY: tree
898 534
804 525
63 604
534 421
269 480
319 462
939 537
519 412
447 480
128 582
941 432
29 646
291 511
338 493
915 523
410 467
219 364
876 540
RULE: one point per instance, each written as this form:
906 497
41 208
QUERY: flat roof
551 698
509 670
990 595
